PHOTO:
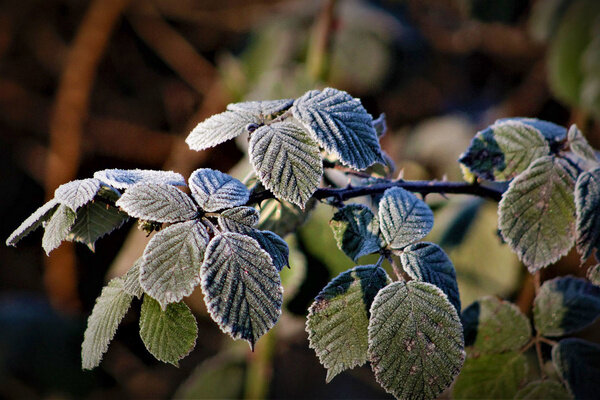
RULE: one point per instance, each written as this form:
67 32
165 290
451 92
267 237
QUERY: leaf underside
339 317
536 215
587 203
94 220
341 125
110 308
416 345
168 335
241 286
287 161
172 261
356 230
214 190
157 202
403 218
124 178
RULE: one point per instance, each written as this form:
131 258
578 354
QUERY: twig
422 187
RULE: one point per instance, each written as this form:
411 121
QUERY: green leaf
495 326
131 279
339 317
578 364
566 305
262 109
157 202
124 178
503 150
427 262
248 216
341 125
356 231
579 145
551 131
416 345
94 220
41 215
287 161
77 193
57 228
537 212
403 218
169 335
587 203
546 389
214 190
220 128
491 376
172 262
110 308
241 286
593 274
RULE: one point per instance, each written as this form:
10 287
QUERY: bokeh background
89 85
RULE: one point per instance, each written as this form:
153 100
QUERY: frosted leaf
219 128
356 231
214 190
262 109
403 218
503 150
110 308
93 221
242 289
427 262
157 202
495 326
57 228
536 215
341 125
416 345
287 161
131 279
168 335
41 215
339 317
551 131
247 216
77 193
579 145
172 261
576 361
124 178
566 305
587 203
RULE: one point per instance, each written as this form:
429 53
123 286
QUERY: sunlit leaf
131 279
427 262
57 228
287 161
416 345
263 109
503 150
168 335
172 262
157 202
537 212
578 364
214 190
403 218
546 389
579 145
124 178
341 125
247 216
339 317
587 203
77 193
93 221
491 376
551 131
241 286
220 128
41 215
566 305
495 326
111 306
356 230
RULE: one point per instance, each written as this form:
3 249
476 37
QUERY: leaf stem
422 187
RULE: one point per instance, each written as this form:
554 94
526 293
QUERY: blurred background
89 85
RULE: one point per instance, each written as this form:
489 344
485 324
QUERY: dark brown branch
422 187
